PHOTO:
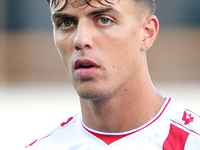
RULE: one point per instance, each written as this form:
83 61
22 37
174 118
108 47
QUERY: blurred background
35 95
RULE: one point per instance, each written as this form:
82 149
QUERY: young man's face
100 46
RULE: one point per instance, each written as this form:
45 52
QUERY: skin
120 90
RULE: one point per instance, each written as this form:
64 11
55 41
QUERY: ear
151 27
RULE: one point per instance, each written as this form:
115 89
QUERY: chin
93 96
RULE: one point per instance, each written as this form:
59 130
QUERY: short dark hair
150 5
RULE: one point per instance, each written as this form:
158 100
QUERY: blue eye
104 21
65 24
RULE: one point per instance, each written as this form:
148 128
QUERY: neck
123 110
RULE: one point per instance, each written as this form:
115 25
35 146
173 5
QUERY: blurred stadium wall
27 52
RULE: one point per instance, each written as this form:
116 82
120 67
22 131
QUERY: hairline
142 7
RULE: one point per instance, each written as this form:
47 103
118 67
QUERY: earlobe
151 28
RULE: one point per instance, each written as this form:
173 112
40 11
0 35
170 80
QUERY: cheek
121 50
64 46
122 55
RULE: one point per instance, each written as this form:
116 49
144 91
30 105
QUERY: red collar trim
109 139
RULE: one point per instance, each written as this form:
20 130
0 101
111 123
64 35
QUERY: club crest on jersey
187 118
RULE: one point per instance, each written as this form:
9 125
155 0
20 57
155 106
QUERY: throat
119 115
106 116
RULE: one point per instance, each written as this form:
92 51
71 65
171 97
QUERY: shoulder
183 128
66 125
185 118
188 121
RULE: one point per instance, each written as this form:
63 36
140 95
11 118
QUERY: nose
83 37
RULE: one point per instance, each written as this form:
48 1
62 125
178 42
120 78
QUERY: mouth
85 68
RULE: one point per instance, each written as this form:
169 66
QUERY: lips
85 68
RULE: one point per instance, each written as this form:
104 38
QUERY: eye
66 24
104 21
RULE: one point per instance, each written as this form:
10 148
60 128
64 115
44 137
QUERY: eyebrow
92 13
102 10
60 15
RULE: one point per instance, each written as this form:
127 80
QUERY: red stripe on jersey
176 139
64 123
108 139
31 143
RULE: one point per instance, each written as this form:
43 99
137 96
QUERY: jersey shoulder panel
184 131
63 125
188 121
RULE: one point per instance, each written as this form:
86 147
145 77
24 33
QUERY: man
103 46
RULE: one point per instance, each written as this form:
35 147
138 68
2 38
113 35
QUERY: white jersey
173 128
